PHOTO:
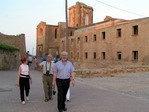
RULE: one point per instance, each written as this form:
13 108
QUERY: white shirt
24 69
30 59
47 67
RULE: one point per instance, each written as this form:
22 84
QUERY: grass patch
7 47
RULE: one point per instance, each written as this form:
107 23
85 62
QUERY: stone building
80 15
17 41
112 41
48 38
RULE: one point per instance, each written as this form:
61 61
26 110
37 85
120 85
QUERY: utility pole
67 42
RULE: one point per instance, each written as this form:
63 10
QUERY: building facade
92 45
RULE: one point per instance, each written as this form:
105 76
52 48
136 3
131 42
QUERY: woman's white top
24 69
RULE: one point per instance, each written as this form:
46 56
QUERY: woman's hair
23 59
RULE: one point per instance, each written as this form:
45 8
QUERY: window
71 55
119 55
55 33
78 55
71 33
86 55
71 41
119 33
94 55
135 55
94 37
86 38
103 55
78 40
103 35
135 30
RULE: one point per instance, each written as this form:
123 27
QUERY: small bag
47 72
54 92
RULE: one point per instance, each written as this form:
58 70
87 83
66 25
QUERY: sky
23 16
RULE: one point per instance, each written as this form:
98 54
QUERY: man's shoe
46 100
50 98
65 109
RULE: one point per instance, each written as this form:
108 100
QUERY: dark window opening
135 55
55 33
86 55
86 39
103 35
119 55
94 55
71 41
72 55
103 55
119 33
94 37
71 33
78 40
135 30
78 55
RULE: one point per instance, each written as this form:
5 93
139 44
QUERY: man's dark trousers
62 86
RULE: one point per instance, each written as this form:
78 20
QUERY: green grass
7 47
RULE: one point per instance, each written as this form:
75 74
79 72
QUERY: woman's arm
19 72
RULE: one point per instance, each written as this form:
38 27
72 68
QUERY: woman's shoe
27 98
23 102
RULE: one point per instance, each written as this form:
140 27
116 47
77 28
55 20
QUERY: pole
66 27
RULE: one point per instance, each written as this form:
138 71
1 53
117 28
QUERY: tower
80 15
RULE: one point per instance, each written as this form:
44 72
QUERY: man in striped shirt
63 73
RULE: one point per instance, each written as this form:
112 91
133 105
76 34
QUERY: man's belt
47 74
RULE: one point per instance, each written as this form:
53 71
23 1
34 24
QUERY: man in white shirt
47 77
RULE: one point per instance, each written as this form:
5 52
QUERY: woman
24 79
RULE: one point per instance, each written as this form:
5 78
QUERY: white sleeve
42 63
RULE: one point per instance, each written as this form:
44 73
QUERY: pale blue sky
23 16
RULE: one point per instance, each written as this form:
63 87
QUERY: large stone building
92 45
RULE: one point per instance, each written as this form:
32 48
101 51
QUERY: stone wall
17 41
9 59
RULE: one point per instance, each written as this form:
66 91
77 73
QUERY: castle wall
17 41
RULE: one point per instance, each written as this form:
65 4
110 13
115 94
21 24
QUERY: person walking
24 79
47 77
63 73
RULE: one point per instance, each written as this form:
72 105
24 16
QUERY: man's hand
73 82
53 83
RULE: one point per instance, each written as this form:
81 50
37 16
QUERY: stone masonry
17 41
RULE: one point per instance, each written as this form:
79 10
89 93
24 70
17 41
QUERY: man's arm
73 78
54 79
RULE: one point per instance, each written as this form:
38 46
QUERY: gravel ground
134 84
